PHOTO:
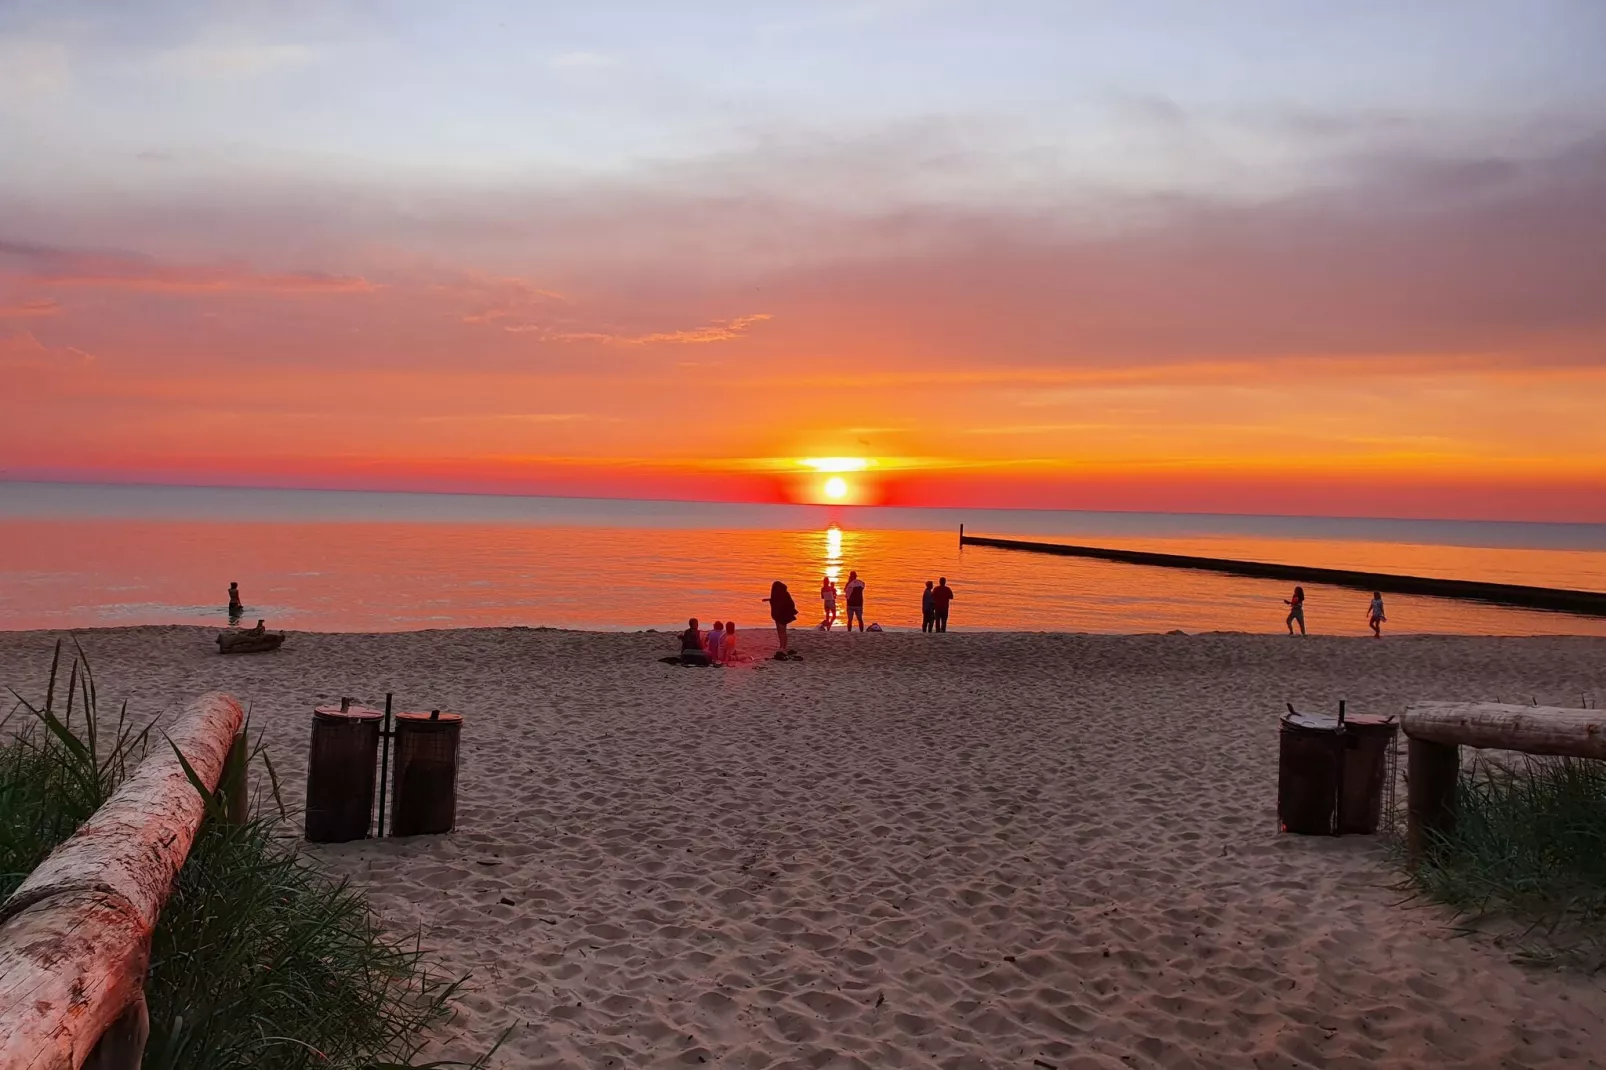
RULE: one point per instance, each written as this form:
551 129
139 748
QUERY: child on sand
828 599
715 642
1297 610
728 646
1374 614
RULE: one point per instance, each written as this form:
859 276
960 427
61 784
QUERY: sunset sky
1258 256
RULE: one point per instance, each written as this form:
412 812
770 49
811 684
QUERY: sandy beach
967 850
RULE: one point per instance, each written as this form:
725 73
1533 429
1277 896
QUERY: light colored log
1499 726
75 936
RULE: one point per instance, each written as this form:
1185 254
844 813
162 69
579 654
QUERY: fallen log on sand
250 641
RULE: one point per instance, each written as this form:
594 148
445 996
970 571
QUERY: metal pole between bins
384 767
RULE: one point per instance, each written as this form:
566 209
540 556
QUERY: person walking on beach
940 598
1296 610
828 600
1374 614
855 592
783 611
928 613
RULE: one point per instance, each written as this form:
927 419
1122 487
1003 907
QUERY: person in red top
940 597
1296 610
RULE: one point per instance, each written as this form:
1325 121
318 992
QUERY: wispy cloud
58 267
24 350
233 60
718 331
31 309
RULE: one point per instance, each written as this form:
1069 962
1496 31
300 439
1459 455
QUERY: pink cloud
31 309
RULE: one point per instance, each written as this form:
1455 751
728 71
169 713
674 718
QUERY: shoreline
982 849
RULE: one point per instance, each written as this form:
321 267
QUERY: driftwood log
249 641
1500 726
75 937
1437 731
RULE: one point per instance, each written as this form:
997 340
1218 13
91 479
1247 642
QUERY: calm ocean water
84 556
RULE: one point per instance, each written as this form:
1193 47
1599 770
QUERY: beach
962 850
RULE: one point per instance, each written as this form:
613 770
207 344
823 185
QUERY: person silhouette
783 611
928 612
940 598
236 608
854 589
1296 610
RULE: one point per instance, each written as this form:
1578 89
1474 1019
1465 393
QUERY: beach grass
257 960
1529 850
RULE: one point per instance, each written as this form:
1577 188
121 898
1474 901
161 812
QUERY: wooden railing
1437 731
75 938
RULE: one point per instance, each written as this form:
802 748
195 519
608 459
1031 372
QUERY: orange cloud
718 331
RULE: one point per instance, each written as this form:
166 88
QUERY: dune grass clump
257 961
1529 847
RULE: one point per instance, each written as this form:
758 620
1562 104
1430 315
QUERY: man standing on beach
927 610
854 589
939 603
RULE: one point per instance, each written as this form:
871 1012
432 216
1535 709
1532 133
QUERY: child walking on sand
1296 610
1374 614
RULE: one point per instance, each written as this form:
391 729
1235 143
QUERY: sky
1264 256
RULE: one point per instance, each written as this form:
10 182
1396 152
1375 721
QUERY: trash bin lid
1310 722
1371 723
353 712
437 716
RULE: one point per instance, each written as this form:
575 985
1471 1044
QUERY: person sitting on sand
1374 614
691 645
1296 610
927 614
828 599
715 642
727 648
783 611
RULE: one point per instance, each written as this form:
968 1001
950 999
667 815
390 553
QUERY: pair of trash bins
342 772
1332 772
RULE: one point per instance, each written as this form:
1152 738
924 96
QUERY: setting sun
836 487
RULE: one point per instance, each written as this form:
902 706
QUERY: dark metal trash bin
1368 741
341 772
424 779
1308 755
1330 778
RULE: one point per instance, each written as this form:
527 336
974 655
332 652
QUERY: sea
75 556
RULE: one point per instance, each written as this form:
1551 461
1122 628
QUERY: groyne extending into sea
1587 603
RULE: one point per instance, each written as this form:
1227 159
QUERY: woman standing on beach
1374 614
1297 610
828 599
783 611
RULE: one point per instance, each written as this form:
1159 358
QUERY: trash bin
1368 742
1330 777
424 778
340 772
1309 755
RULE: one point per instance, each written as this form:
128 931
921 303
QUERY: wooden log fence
75 937
1436 732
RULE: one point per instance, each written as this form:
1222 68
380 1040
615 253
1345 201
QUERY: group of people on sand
1296 612
716 647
